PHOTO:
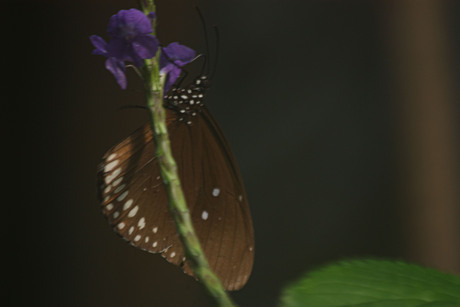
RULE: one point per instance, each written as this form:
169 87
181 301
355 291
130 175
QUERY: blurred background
343 116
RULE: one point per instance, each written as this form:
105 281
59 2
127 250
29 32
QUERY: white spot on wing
123 196
147 239
116 214
107 189
110 166
215 192
141 223
111 157
128 204
204 215
155 229
173 254
108 179
155 244
121 225
131 229
137 238
117 182
120 188
133 211
116 172
109 207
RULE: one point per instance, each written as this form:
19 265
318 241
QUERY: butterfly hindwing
219 209
230 239
133 198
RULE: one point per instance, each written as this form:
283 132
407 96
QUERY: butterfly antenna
136 70
206 39
216 57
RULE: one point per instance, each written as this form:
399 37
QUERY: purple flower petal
171 78
177 54
100 45
123 51
128 24
119 48
117 68
145 46
139 20
173 57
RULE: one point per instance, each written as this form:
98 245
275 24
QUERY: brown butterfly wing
136 204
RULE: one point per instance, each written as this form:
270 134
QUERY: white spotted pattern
121 225
215 192
155 244
131 229
204 215
108 179
137 238
155 229
109 207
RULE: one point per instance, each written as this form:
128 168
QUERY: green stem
168 167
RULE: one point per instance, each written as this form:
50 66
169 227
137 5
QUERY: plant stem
177 203
154 93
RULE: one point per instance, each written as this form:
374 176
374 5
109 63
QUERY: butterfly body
136 205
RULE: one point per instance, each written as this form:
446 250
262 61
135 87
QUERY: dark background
319 102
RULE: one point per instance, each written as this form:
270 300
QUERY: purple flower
131 40
173 57
116 67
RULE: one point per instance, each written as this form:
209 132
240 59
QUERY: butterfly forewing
133 199
136 205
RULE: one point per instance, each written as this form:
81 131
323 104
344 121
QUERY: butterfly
135 202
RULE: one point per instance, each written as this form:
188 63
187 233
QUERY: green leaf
373 283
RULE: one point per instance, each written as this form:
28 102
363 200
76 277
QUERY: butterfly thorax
187 101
